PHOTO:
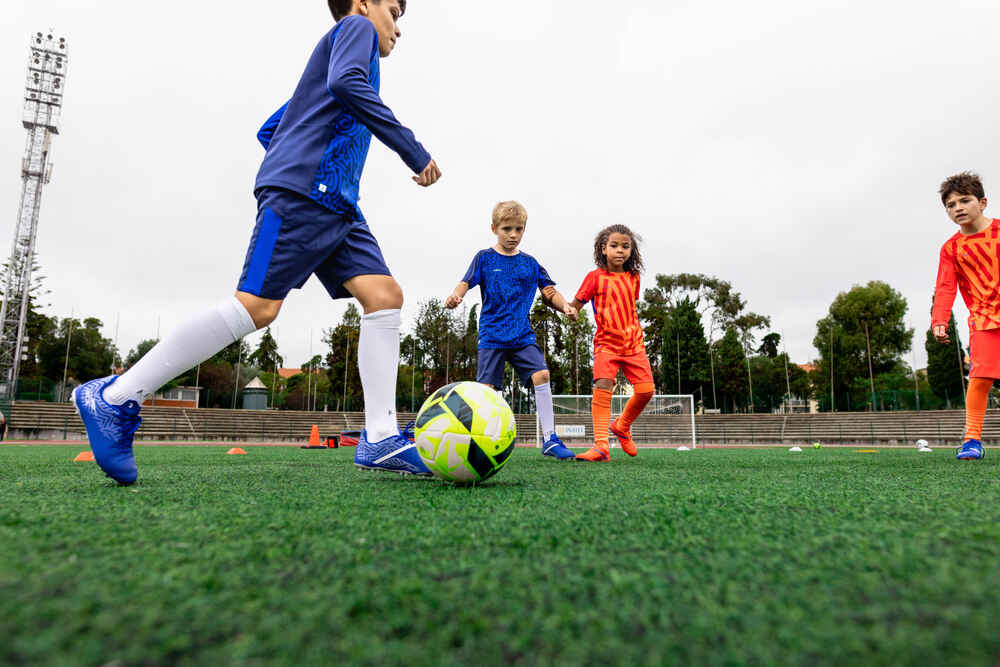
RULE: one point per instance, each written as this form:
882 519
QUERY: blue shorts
526 361
295 237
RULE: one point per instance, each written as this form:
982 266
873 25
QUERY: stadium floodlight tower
48 58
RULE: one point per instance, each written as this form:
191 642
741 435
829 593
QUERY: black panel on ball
429 414
461 410
443 391
479 461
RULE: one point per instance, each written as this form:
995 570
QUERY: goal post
668 420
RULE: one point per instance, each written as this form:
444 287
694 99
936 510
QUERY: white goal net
667 421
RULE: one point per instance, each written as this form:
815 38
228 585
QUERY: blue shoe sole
402 473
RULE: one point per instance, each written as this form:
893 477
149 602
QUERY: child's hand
429 175
570 312
941 333
452 301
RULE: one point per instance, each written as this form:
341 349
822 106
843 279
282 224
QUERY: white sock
378 364
185 347
543 406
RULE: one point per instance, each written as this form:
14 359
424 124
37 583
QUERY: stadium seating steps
55 421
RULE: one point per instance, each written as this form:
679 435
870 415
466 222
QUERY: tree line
700 338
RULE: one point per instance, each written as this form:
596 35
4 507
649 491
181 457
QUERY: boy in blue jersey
308 222
508 279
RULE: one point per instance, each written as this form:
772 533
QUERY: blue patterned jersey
508 285
318 141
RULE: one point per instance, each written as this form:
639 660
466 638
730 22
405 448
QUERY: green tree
685 363
266 355
730 372
90 354
946 364
873 314
342 362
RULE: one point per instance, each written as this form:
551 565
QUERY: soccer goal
668 420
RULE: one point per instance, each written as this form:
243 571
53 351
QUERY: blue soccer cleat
554 447
394 454
110 429
971 450
408 433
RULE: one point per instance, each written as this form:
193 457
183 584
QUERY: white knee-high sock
378 365
188 345
543 406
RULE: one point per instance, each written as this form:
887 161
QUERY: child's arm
347 80
266 131
455 298
944 296
554 300
576 303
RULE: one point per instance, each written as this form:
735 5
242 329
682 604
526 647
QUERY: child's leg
975 407
601 411
641 393
191 343
543 403
378 350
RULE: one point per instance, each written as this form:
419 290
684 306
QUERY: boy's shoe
554 447
595 454
971 450
408 432
394 454
110 429
624 438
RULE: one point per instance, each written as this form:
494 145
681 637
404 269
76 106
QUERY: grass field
289 556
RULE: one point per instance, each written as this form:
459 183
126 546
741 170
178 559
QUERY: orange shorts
984 350
636 366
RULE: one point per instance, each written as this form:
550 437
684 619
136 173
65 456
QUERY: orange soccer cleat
624 438
595 454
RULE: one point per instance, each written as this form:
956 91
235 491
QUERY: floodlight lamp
49 36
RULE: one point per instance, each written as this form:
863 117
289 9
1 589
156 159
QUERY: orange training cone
85 456
314 437
236 450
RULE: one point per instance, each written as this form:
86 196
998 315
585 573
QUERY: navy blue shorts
295 237
526 361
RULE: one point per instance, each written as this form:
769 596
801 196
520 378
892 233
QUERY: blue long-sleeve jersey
318 141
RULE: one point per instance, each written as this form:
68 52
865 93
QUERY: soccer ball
465 432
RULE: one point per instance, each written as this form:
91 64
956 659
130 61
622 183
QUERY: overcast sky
791 147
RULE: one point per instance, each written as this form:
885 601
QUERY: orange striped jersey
613 296
971 264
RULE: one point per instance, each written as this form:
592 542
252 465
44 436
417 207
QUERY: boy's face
617 251
384 14
963 209
509 233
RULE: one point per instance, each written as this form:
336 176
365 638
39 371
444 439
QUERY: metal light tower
48 58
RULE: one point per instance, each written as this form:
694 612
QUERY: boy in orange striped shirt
969 262
613 289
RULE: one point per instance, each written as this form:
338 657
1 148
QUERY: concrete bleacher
58 421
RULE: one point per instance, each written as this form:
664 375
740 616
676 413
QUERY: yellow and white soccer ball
465 432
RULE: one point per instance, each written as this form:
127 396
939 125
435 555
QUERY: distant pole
347 356
118 318
833 403
711 365
69 337
788 382
413 373
236 382
916 385
961 364
678 361
871 377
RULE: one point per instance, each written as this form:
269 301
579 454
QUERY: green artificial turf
289 556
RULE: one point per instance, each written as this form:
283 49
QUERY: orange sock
975 407
641 393
601 411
